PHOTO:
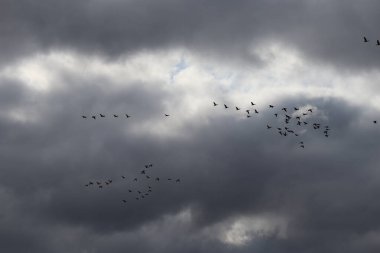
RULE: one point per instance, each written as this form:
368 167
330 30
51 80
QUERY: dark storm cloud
326 31
229 168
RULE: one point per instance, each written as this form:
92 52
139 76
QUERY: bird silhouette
271 106
269 127
284 109
115 116
276 115
256 111
365 39
247 111
84 117
102 115
378 42
375 121
296 109
237 108
167 115
128 116
225 106
310 110
253 103
215 104
157 179
94 117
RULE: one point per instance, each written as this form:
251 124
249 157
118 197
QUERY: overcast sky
244 188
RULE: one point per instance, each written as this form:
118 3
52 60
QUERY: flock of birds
295 116
136 191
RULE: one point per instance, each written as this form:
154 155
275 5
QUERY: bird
225 106
248 116
115 116
310 110
296 109
378 42
157 179
102 115
302 146
215 104
237 108
84 117
375 122
284 109
167 115
247 111
271 106
256 111
276 114
143 172
128 116
269 127
129 190
365 39
253 103
123 177
94 117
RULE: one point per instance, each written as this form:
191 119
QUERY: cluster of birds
113 115
140 193
367 40
288 115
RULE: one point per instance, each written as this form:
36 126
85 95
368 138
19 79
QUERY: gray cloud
230 167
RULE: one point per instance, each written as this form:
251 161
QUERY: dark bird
98 183
167 115
378 42
247 111
86 185
248 116
123 177
271 106
225 106
365 39
310 110
298 117
84 117
90 183
302 146
130 190
128 116
276 114
143 172
102 115
252 103
256 111
157 179
115 116
284 109
375 122
279 128
304 114
299 123
305 123
94 117
237 108
215 104
269 127
296 109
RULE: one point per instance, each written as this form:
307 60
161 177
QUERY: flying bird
252 103
84 117
128 116
378 42
375 122
102 115
269 127
167 115
365 39
215 104
237 108
115 116
225 106
271 106
256 111
284 109
247 111
94 117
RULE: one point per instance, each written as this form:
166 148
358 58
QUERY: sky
243 187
